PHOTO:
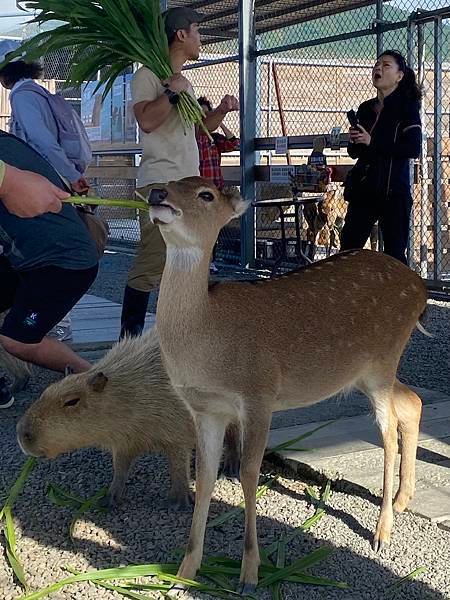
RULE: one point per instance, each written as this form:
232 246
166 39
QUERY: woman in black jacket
388 135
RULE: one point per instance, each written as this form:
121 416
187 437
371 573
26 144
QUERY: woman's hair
408 85
205 102
15 71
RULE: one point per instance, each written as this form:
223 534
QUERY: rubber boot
134 308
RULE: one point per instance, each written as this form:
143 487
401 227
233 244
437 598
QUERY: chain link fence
309 74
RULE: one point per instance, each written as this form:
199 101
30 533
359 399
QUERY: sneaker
6 397
62 331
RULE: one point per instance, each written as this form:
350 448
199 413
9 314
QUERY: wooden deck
96 323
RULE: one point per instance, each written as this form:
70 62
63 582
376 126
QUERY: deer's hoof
379 545
247 589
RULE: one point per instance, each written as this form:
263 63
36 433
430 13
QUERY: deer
239 350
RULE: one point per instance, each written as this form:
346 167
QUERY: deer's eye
72 402
206 196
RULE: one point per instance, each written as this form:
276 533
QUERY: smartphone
352 119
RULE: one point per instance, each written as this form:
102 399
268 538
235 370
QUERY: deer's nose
157 196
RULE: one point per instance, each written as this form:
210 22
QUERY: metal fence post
380 44
412 219
423 250
247 98
437 164
380 37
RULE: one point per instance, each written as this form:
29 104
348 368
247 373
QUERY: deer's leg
232 451
408 408
210 433
388 427
255 439
381 396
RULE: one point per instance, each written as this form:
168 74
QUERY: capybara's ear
98 382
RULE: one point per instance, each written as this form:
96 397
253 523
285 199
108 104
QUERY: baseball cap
7 46
180 18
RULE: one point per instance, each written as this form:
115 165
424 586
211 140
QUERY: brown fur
126 405
241 351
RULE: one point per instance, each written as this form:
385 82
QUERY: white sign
280 174
281 145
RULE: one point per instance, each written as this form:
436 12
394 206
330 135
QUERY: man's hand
177 83
360 136
228 104
81 186
27 194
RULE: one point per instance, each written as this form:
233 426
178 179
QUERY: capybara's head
70 414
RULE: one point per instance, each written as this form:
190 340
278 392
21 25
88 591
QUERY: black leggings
392 216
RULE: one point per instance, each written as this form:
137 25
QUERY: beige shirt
170 152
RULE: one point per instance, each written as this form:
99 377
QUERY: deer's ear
237 203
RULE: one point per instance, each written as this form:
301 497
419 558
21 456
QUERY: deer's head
191 212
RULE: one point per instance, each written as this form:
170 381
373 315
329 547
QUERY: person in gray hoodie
32 119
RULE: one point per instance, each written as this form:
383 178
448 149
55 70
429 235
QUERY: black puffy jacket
396 138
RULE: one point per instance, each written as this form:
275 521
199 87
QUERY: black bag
98 228
356 182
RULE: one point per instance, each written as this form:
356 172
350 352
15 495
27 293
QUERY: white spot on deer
403 294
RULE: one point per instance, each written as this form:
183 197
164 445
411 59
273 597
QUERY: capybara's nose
157 196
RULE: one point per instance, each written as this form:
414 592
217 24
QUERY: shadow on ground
143 530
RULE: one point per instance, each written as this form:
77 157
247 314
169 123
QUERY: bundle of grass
109 36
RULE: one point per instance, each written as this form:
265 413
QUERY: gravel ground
143 530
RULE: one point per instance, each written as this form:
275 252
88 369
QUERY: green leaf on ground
393 588
262 489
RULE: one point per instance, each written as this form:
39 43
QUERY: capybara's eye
206 196
72 402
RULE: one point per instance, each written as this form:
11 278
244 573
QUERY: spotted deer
241 350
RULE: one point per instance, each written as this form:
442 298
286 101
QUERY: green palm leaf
108 36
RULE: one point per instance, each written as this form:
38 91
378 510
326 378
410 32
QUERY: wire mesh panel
311 74
314 63
307 91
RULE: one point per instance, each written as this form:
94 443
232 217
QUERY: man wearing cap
169 152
